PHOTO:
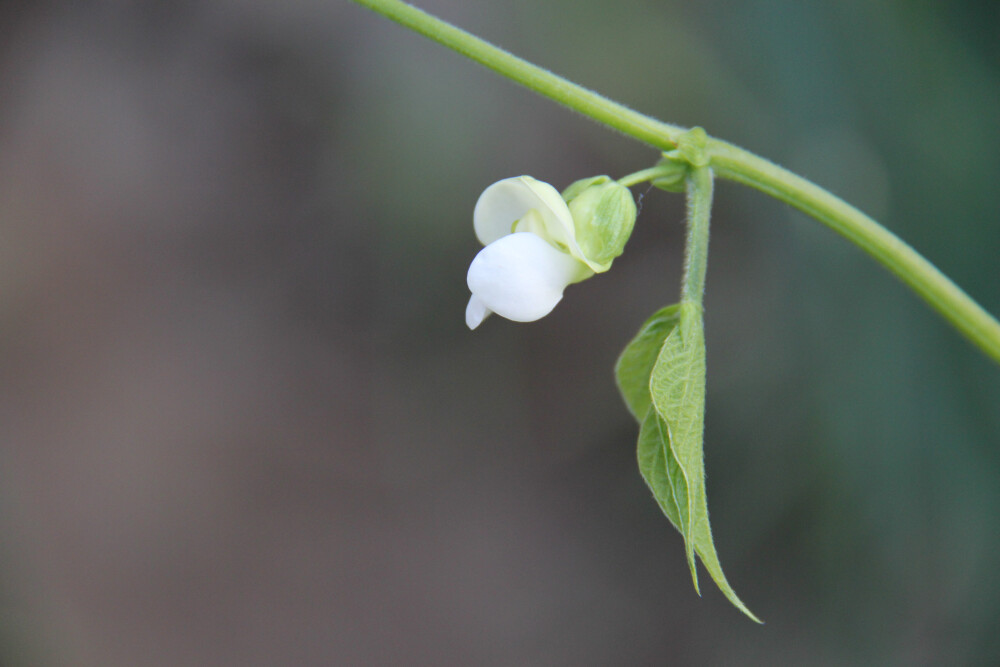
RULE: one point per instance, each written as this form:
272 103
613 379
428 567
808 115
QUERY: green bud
603 216
675 169
692 150
693 145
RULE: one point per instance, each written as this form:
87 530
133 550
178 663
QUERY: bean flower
538 242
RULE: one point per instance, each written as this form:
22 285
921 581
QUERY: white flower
531 252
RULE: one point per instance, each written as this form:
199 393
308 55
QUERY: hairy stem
699 211
642 176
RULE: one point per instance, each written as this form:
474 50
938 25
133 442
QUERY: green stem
729 162
642 176
699 211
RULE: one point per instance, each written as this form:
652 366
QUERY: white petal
521 277
507 201
476 312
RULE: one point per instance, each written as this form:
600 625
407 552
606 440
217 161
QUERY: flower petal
476 312
507 201
521 277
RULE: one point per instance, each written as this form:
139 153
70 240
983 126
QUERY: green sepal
604 214
576 187
672 171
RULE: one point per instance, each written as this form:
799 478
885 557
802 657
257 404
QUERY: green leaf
662 474
658 465
671 456
635 364
677 388
661 376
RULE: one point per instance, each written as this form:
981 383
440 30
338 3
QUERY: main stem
729 162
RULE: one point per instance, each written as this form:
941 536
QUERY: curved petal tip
476 312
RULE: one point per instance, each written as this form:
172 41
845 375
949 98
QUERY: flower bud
674 169
603 216
691 151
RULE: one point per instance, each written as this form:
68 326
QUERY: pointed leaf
655 463
636 362
660 470
705 547
677 387
677 390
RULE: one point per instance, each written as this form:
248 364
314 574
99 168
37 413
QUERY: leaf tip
694 570
731 596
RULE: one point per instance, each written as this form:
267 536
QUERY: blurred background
242 420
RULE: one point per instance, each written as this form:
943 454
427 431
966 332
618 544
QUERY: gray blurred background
242 420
